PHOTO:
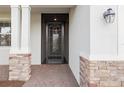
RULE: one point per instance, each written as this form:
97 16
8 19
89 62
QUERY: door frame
48 17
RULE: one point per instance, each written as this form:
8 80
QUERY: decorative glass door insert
55 44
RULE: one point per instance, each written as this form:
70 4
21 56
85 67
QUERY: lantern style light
109 15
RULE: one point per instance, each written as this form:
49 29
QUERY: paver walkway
51 75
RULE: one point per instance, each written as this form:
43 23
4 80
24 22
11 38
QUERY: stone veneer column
20 67
20 59
101 73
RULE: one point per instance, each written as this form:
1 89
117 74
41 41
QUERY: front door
55 42
54 38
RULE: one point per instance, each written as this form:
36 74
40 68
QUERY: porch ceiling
51 8
5 9
41 8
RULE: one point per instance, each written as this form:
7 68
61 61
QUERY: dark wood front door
54 41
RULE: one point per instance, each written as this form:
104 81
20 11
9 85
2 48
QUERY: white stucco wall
4 51
79 37
121 31
103 36
4 55
36 38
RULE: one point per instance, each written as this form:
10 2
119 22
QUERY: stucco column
25 35
20 56
15 28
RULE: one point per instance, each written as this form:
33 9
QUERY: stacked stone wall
101 73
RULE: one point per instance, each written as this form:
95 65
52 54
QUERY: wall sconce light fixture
109 15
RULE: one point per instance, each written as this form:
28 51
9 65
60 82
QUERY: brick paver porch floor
51 75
